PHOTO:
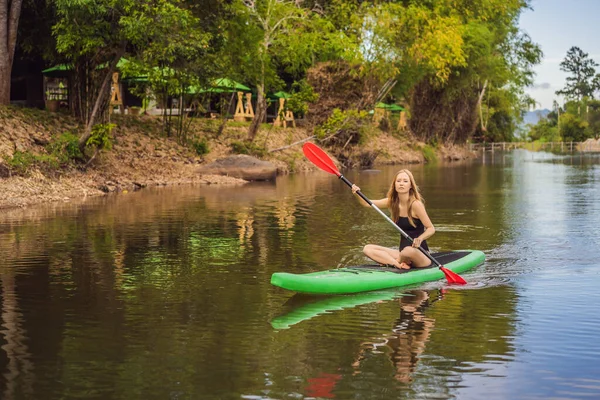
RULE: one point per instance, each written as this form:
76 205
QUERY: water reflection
408 338
165 293
19 368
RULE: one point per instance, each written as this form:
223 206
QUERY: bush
303 96
101 136
344 127
201 147
65 148
21 162
429 153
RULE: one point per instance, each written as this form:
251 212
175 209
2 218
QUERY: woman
408 211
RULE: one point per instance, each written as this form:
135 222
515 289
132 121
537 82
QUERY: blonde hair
413 195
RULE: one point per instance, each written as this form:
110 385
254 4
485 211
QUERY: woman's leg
413 256
383 255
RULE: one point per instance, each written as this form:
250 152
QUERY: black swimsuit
412 231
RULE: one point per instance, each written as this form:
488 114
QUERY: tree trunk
259 114
479 101
10 10
4 81
100 99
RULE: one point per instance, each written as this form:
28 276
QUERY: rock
40 140
242 166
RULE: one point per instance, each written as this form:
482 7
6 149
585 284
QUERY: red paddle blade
453 277
319 158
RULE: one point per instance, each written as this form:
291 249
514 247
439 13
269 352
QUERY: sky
556 26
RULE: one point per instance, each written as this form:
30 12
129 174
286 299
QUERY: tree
96 35
545 131
498 65
582 82
572 128
269 19
10 10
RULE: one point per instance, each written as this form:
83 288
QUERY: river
164 293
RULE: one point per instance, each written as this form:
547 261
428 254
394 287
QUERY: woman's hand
355 189
417 242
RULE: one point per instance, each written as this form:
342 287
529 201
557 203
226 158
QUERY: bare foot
404 265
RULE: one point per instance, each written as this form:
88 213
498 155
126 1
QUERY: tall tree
269 19
10 10
582 69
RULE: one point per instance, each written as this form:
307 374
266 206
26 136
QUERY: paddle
324 162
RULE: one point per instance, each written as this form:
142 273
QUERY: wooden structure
402 121
115 93
384 111
243 110
379 114
284 116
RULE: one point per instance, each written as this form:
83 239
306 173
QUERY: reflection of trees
153 287
153 269
480 323
18 375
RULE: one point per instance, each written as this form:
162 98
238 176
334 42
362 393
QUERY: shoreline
142 156
20 192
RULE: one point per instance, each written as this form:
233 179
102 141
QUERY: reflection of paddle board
324 305
364 278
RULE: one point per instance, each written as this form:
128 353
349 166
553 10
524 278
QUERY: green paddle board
363 278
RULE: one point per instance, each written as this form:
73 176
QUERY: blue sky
557 26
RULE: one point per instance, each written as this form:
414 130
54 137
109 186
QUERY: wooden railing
569 147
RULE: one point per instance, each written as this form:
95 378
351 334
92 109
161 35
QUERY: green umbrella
221 85
197 90
58 71
389 107
62 70
395 107
281 95
225 83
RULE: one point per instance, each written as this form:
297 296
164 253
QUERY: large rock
242 166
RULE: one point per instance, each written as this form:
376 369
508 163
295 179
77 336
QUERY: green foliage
593 118
62 151
429 153
101 137
450 48
65 148
303 94
343 127
201 146
544 131
577 121
21 162
582 81
498 57
572 128
249 148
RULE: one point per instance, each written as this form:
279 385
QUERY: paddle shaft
369 202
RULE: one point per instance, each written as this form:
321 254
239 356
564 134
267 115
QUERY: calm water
165 294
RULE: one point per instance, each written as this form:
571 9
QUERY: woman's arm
381 203
418 211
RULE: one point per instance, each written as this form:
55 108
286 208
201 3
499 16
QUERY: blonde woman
407 210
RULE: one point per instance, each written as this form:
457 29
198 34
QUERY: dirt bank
143 156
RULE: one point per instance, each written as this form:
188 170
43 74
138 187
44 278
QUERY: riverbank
142 156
